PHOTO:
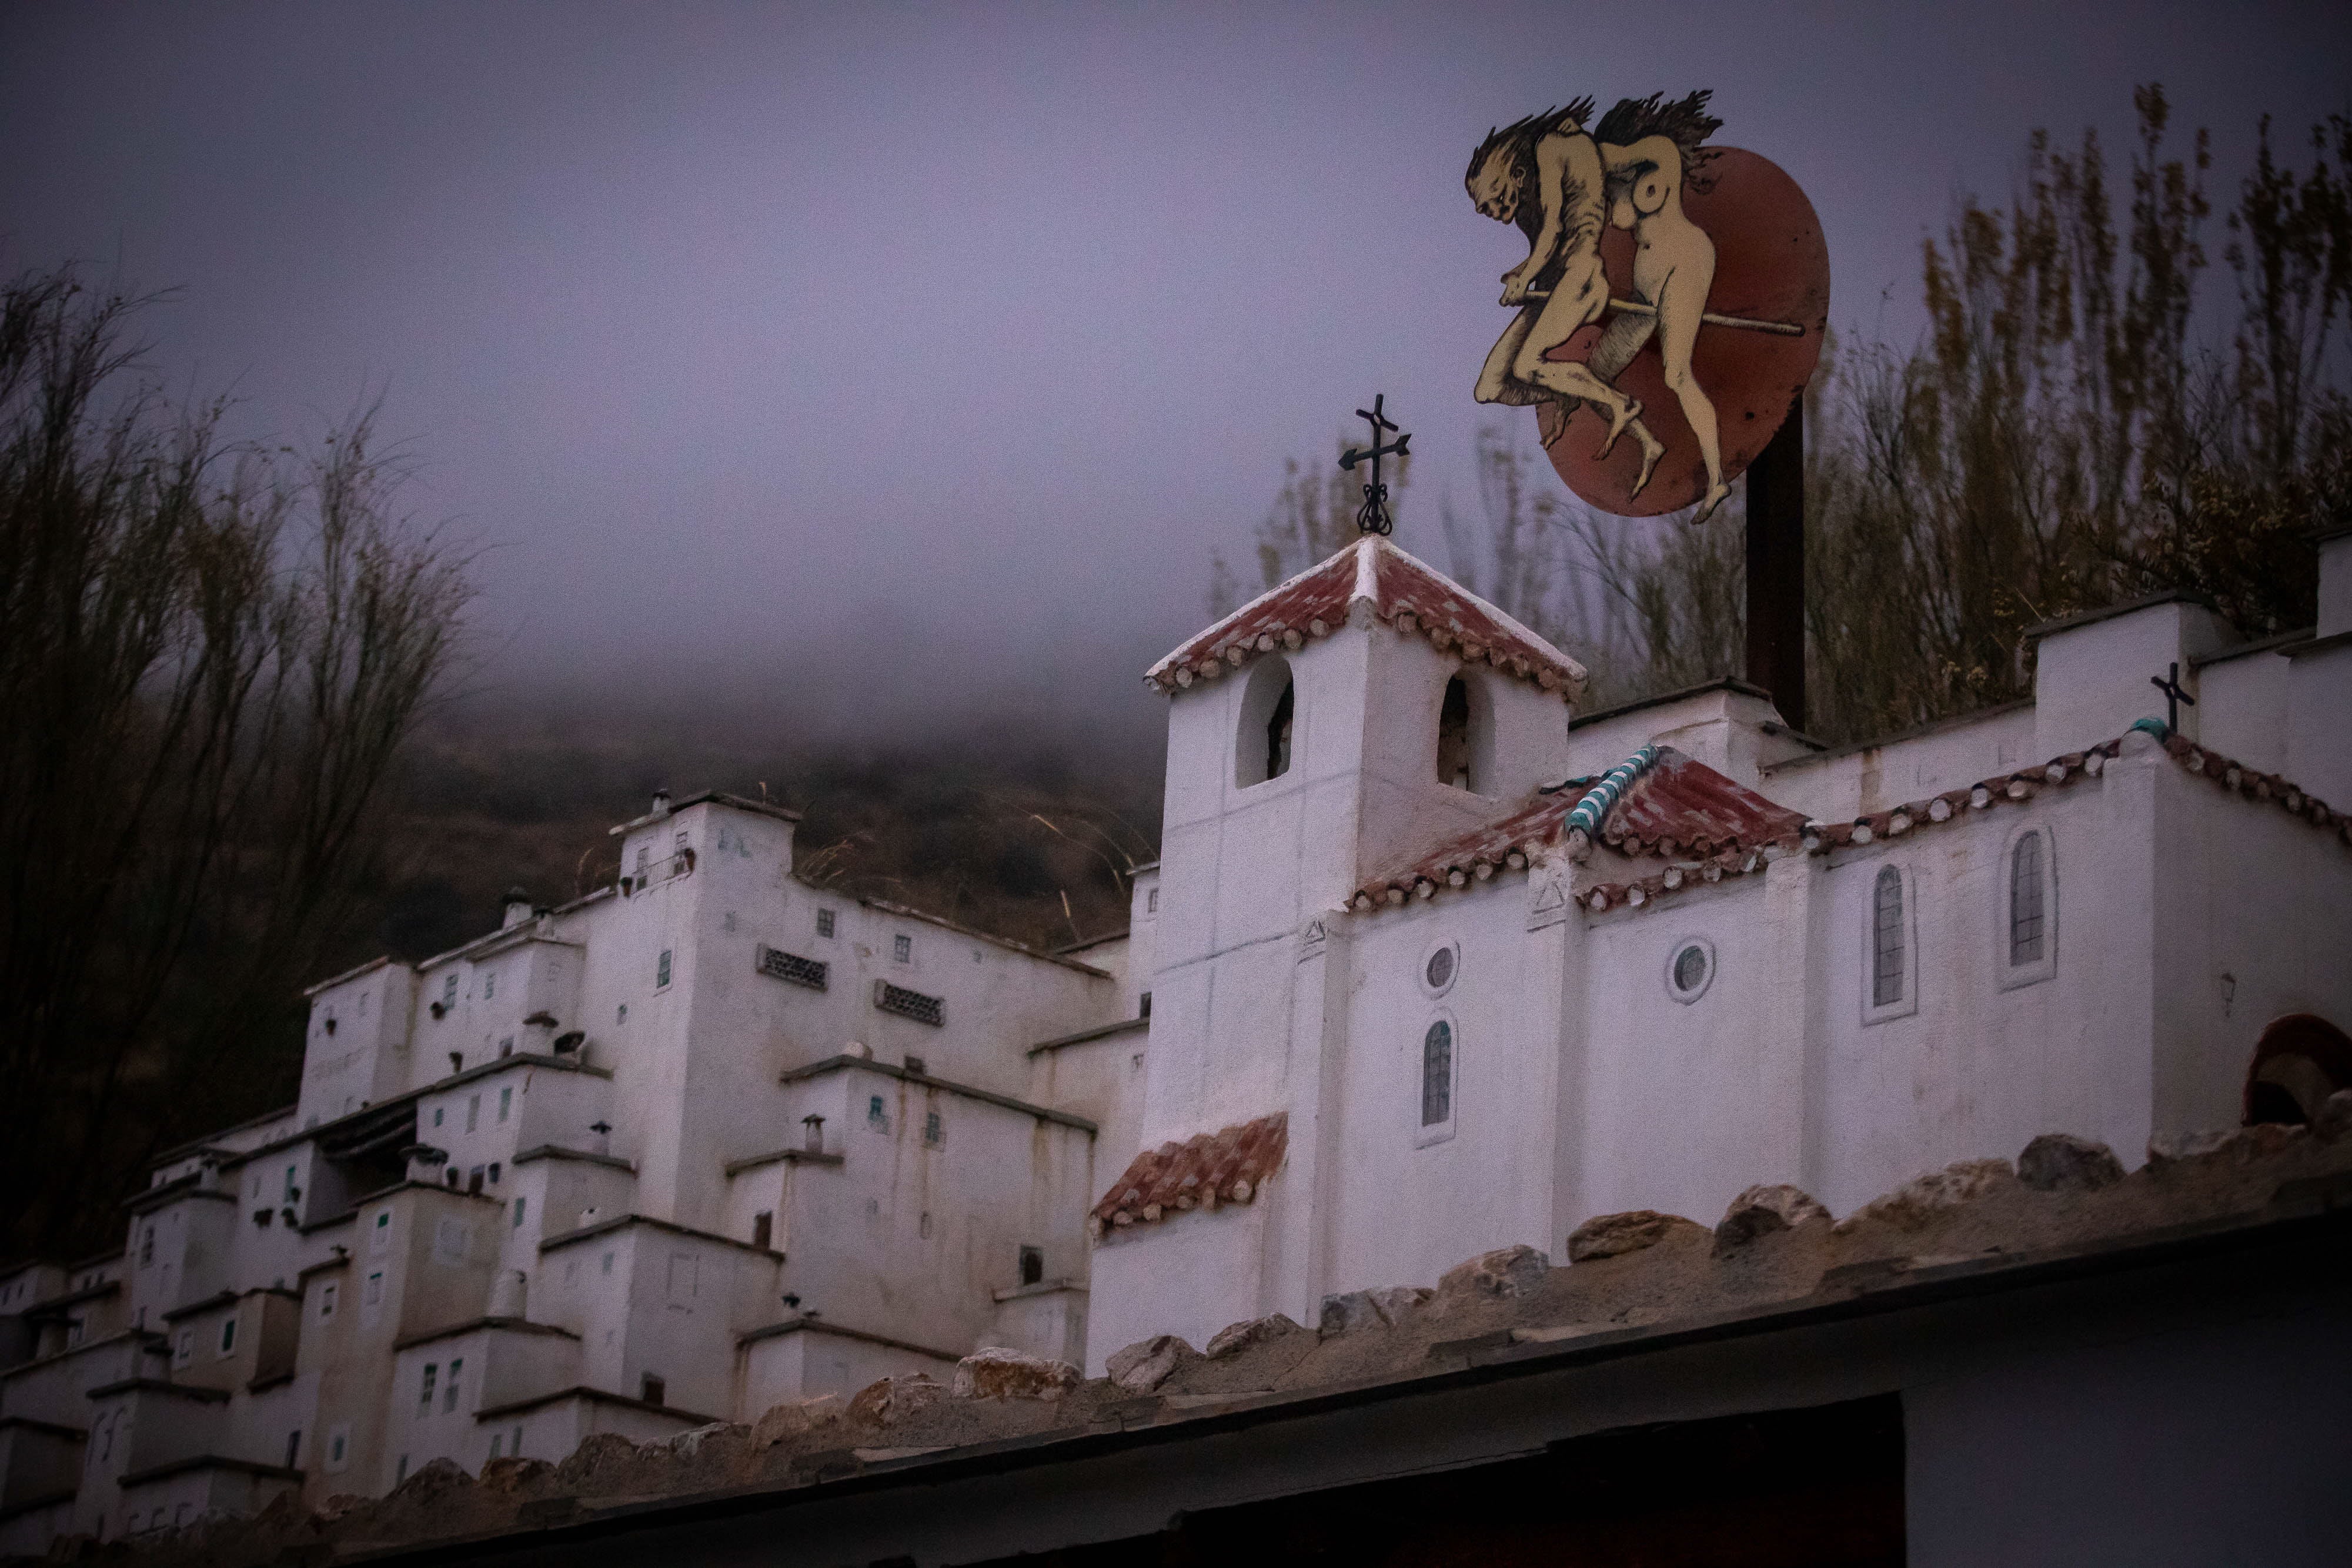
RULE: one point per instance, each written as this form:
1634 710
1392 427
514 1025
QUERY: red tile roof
1677 807
2001 789
1228 1166
1401 591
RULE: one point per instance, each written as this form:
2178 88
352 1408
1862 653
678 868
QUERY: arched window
1262 744
1886 938
1454 735
1437 1075
2025 910
2025 907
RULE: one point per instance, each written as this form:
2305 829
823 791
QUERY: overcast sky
926 352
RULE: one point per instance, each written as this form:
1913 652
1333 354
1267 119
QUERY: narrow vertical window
661 969
2025 903
449 1392
902 949
824 922
1437 1075
506 1101
1886 938
1033 1265
1454 735
763 1229
518 1204
424 1388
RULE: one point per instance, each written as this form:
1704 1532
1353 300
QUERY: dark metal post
1776 568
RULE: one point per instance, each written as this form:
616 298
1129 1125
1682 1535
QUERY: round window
1441 968
1690 967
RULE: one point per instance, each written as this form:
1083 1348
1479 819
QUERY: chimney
517 910
661 804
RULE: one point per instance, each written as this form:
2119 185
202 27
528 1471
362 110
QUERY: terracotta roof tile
1228 1166
1674 806
1405 593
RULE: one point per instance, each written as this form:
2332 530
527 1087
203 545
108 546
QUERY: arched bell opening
1466 735
1269 721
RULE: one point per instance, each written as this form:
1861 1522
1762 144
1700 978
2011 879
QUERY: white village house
1439 965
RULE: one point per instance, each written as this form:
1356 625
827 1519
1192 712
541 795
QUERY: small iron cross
2173 697
1373 517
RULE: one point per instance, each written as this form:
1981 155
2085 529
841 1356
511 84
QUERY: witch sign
1671 305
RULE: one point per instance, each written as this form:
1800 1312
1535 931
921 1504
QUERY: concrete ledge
1044 1288
606 1226
818 1325
472 1325
987 1096
1087 1036
157 1385
1720 683
2109 611
50 1306
201 1304
36 1504
558 1152
796 1156
595 1397
210 1462
172 1192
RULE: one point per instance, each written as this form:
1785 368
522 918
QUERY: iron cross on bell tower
1373 517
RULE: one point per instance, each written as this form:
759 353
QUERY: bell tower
1361 712
1358 715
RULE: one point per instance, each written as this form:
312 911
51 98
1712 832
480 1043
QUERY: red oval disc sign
1771 266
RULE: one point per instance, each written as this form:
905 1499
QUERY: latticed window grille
1437 1075
790 967
1886 938
2026 934
890 999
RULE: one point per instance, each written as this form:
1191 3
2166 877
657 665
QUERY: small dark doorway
2300 1061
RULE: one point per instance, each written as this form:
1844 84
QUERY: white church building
1433 963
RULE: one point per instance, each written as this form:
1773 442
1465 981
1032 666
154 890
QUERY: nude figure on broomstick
1545 175
1646 151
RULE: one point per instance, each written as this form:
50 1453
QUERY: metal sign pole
1776 568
